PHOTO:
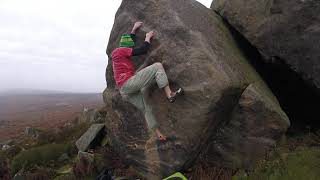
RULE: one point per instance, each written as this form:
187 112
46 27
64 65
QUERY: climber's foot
175 94
160 136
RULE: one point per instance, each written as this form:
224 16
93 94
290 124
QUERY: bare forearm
136 26
134 30
147 39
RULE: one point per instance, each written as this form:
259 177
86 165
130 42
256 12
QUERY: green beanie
126 41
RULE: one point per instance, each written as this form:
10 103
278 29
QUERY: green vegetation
297 159
66 134
9 153
42 155
66 177
44 151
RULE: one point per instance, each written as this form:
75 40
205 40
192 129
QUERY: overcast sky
56 44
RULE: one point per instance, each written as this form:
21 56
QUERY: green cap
126 41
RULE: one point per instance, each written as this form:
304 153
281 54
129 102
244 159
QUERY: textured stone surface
84 142
282 30
199 54
252 130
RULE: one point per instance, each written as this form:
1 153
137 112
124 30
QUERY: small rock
89 137
9 142
5 147
32 132
63 157
90 115
85 155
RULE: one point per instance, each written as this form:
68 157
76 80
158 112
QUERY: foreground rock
286 30
93 134
222 93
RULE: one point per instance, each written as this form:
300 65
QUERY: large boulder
222 92
284 31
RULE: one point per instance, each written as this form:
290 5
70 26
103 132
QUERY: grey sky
56 45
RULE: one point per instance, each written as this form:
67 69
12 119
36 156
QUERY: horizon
26 91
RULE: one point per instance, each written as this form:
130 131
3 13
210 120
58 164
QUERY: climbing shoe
177 93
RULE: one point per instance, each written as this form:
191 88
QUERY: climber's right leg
145 77
148 75
138 84
140 101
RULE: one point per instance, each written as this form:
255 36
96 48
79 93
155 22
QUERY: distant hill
42 109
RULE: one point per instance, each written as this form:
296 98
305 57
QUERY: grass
45 150
298 158
39 156
66 134
301 164
4 169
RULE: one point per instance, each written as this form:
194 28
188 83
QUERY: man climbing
133 84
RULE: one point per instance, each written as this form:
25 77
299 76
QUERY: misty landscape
21 108
159 90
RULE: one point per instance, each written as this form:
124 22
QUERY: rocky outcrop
90 115
222 93
92 135
31 132
286 31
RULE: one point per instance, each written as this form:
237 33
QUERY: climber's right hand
149 36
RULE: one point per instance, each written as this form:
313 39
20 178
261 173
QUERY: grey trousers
134 90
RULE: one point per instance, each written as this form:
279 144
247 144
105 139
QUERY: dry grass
202 171
83 168
4 169
39 173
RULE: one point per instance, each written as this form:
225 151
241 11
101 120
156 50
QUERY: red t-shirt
123 67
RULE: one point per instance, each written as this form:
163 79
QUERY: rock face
222 93
252 129
282 30
88 138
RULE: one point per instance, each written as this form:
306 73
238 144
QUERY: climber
133 85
